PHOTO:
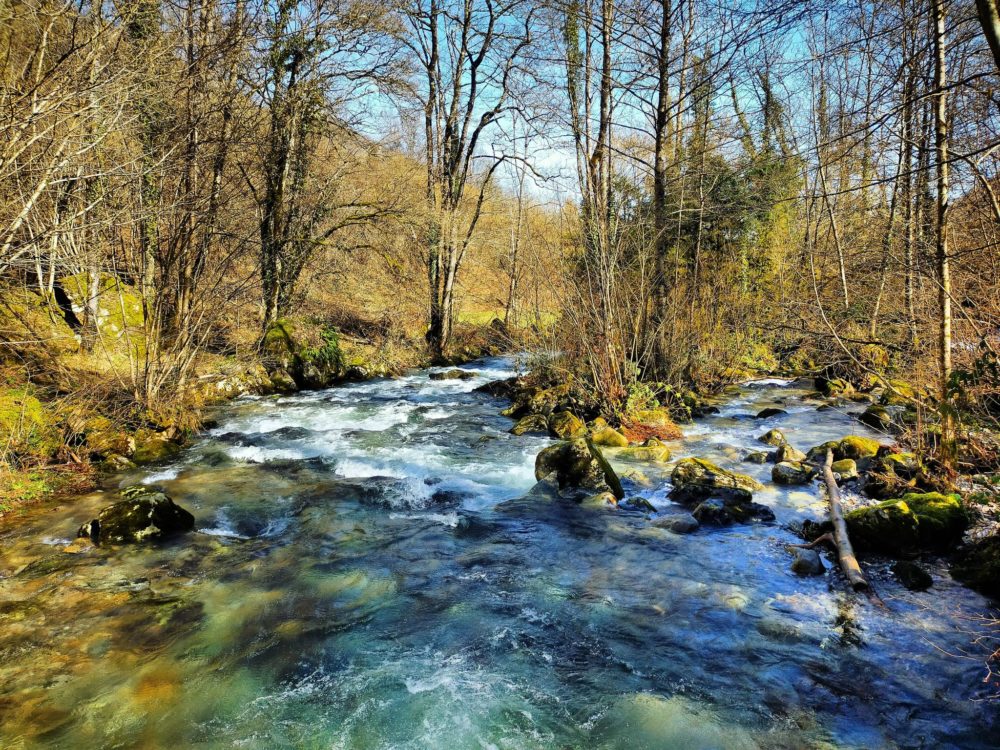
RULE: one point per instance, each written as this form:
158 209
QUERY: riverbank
73 421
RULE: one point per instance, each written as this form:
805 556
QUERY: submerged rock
930 521
637 503
602 501
679 523
577 465
912 576
144 515
644 721
725 512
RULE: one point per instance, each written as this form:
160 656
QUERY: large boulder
696 479
853 446
771 411
578 465
143 515
792 472
566 425
930 521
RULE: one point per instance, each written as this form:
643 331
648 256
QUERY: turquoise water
367 573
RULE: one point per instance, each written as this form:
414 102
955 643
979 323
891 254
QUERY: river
367 573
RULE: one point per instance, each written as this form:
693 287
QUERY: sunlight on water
366 574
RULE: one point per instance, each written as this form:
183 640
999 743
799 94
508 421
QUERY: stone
282 382
773 438
876 417
758 457
576 465
606 436
679 523
788 452
912 576
929 521
566 425
853 447
769 412
453 374
807 562
602 501
845 469
978 566
695 479
652 450
143 515
637 503
531 423
792 472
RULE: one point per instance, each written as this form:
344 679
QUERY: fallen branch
845 553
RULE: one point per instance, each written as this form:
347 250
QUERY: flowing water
367 573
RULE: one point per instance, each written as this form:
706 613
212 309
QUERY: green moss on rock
929 521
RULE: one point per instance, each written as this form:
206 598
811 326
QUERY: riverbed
366 572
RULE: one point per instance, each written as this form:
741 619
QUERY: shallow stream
367 574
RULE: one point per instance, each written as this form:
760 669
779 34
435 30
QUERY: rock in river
578 465
453 374
143 515
792 472
807 562
696 479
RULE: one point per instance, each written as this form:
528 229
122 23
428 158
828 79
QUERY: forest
330 271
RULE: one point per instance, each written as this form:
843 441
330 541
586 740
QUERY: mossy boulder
604 435
531 423
453 374
897 393
153 447
788 452
930 521
282 381
853 446
877 417
652 450
29 430
696 479
757 457
279 346
978 566
834 387
792 472
566 425
144 515
845 468
773 438
578 465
